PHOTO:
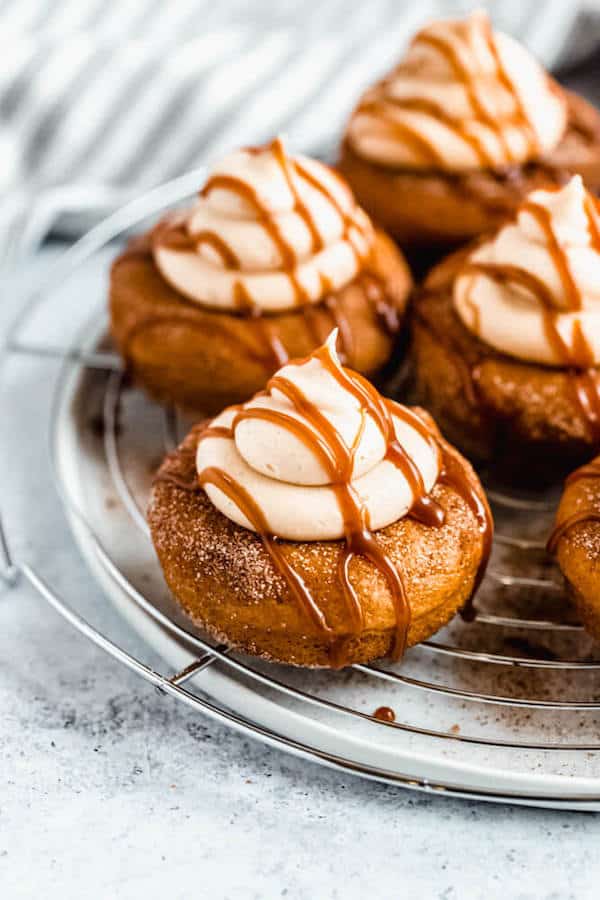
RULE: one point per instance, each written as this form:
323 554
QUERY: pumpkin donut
206 306
272 545
576 542
448 144
505 343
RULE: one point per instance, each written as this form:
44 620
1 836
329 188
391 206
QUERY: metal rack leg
9 571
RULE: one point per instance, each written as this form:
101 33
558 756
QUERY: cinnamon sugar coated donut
236 519
575 541
448 144
505 342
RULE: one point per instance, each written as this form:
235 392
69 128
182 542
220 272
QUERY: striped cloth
125 95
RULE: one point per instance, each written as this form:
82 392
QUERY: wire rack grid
518 570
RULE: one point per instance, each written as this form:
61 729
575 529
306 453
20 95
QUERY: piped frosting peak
269 232
533 291
319 446
464 97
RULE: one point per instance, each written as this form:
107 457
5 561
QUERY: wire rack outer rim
11 569
110 406
314 752
590 802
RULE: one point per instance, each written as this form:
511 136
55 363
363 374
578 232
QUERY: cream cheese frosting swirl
533 291
464 97
314 454
268 232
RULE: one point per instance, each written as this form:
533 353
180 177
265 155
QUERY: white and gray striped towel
114 97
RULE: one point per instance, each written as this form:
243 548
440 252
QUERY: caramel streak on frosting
543 217
533 291
451 53
211 239
237 186
436 111
290 171
282 231
320 455
463 97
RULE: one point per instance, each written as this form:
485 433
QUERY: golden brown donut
576 542
201 359
440 209
523 416
225 580
273 254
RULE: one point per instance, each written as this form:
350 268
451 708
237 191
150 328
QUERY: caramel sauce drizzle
300 207
404 132
349 224
315 431
212 239
252 511
385 310
454 476
173 235
462 73
587 514
176 237
277 354
583 515
590 470
577 357
522 117
409 134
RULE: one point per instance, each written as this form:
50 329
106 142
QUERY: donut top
320 455
533 291
464 97
269 232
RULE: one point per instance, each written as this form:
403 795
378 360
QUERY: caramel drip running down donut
590 470
316 432
424 148
176 237
578 357
268 334
453 475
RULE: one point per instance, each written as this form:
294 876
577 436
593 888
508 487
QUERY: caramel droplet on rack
385 714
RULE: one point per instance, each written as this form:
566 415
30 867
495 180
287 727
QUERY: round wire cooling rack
504 708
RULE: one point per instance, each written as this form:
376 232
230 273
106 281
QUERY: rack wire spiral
451 673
